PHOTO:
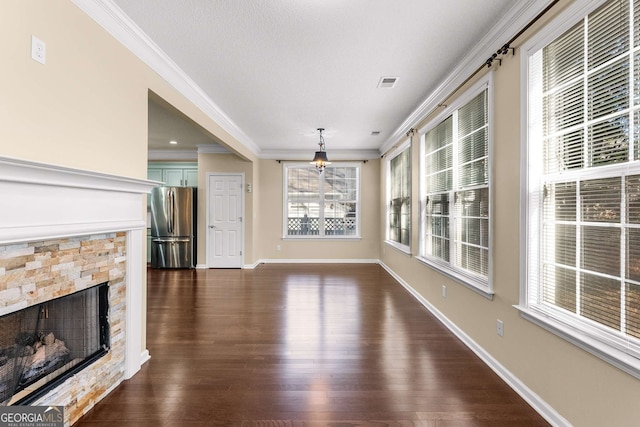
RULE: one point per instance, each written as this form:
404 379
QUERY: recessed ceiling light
173 142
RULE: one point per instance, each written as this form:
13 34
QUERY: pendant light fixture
320 160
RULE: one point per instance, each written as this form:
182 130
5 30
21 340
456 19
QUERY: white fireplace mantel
41 201
46 201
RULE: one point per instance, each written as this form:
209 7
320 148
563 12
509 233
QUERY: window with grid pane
321 204
399 219
583 220
456 192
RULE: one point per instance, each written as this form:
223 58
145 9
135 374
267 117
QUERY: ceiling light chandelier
320 159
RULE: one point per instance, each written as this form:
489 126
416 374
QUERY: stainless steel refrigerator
173 225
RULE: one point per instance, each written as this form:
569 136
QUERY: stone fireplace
44 344
63 231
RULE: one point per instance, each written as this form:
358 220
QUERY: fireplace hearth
42 345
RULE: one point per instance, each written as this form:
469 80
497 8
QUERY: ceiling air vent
387 82
375 133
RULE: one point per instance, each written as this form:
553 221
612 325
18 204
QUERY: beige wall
270 221
86 107
225 163
580 387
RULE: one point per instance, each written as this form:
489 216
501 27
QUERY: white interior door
224 225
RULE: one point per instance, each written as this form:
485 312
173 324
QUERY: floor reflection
308 345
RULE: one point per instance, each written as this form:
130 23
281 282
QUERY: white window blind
456 192
583 220
321 205
400 198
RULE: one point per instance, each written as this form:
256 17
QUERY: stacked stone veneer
31 273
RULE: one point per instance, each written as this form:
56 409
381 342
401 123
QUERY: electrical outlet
500 328
38 50
444 291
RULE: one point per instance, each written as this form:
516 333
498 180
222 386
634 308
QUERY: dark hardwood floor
302 345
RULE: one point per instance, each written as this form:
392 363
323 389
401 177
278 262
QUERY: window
322 205
399 197
456 191
583 183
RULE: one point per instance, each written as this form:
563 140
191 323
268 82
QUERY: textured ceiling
279 69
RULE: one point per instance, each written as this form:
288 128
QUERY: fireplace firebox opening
43 345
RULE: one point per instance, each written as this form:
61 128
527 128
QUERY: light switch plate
38 50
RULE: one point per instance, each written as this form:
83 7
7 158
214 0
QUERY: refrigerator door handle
171 210
166 207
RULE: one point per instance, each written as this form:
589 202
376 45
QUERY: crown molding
337 155
110 17
516 19
173 155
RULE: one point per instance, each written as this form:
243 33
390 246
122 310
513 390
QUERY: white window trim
481 285
285 190
395 153
585 335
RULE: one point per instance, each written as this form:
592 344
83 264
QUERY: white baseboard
144 357
252 266
542 407
300 261
319 261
